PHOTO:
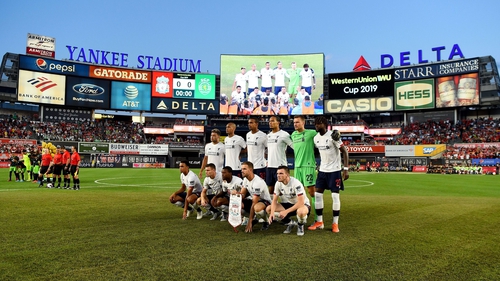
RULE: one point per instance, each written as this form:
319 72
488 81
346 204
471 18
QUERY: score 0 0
361 89
184 84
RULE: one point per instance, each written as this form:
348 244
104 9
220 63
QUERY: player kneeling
294 201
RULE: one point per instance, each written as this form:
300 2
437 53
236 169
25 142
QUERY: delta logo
41 64
361 65
42 83
429 150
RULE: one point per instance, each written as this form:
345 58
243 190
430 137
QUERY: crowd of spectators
479 130
89 131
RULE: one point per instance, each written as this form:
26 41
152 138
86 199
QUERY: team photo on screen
271 84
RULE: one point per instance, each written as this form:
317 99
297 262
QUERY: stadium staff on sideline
294 201
214 152
45 164
66 159
303 148
212 184
75 161
330 176
234 145
230 183
187 199
256 205
277 141
256 147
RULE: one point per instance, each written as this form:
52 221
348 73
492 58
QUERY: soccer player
294 76
13 167
330 176
283 96
66 159
303 148
234 144
212 185
266 75
294 201
214 152
241 80
230 185
74 169
277 141
255 187
256 147
253 78
58 165
45 163
308 79
279 77
187 199
27 163
238 95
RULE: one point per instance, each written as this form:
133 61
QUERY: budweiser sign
366 149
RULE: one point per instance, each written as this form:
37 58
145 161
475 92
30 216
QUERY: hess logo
41 63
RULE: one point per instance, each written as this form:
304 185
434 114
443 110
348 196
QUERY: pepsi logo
41 63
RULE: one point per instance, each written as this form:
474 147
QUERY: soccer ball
49 185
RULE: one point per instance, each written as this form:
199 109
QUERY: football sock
313 201
336 207
318 206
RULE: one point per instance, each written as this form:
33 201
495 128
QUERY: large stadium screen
271 84
364 91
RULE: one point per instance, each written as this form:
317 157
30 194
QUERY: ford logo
88 89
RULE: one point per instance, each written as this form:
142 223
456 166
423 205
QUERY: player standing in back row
256 147
305 162
330 176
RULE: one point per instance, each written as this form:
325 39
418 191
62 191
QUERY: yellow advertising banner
429 150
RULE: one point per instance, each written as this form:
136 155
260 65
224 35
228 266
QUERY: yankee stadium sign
143 62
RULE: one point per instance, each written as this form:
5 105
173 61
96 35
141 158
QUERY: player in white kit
234 145
256 147
214 152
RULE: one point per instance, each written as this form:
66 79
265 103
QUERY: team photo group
261 189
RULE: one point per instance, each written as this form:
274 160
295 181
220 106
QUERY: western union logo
365 79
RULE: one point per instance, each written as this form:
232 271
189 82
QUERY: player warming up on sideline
256 206
294 201
189 192
330 176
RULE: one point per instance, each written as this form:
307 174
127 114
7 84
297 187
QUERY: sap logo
429 150
88 89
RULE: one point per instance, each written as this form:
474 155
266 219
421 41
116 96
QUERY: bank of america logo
42 83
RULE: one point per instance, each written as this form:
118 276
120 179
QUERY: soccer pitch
121 226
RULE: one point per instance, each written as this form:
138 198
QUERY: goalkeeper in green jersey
305 162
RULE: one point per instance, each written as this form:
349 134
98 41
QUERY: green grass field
121 226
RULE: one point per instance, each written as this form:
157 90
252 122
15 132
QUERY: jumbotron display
271 84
